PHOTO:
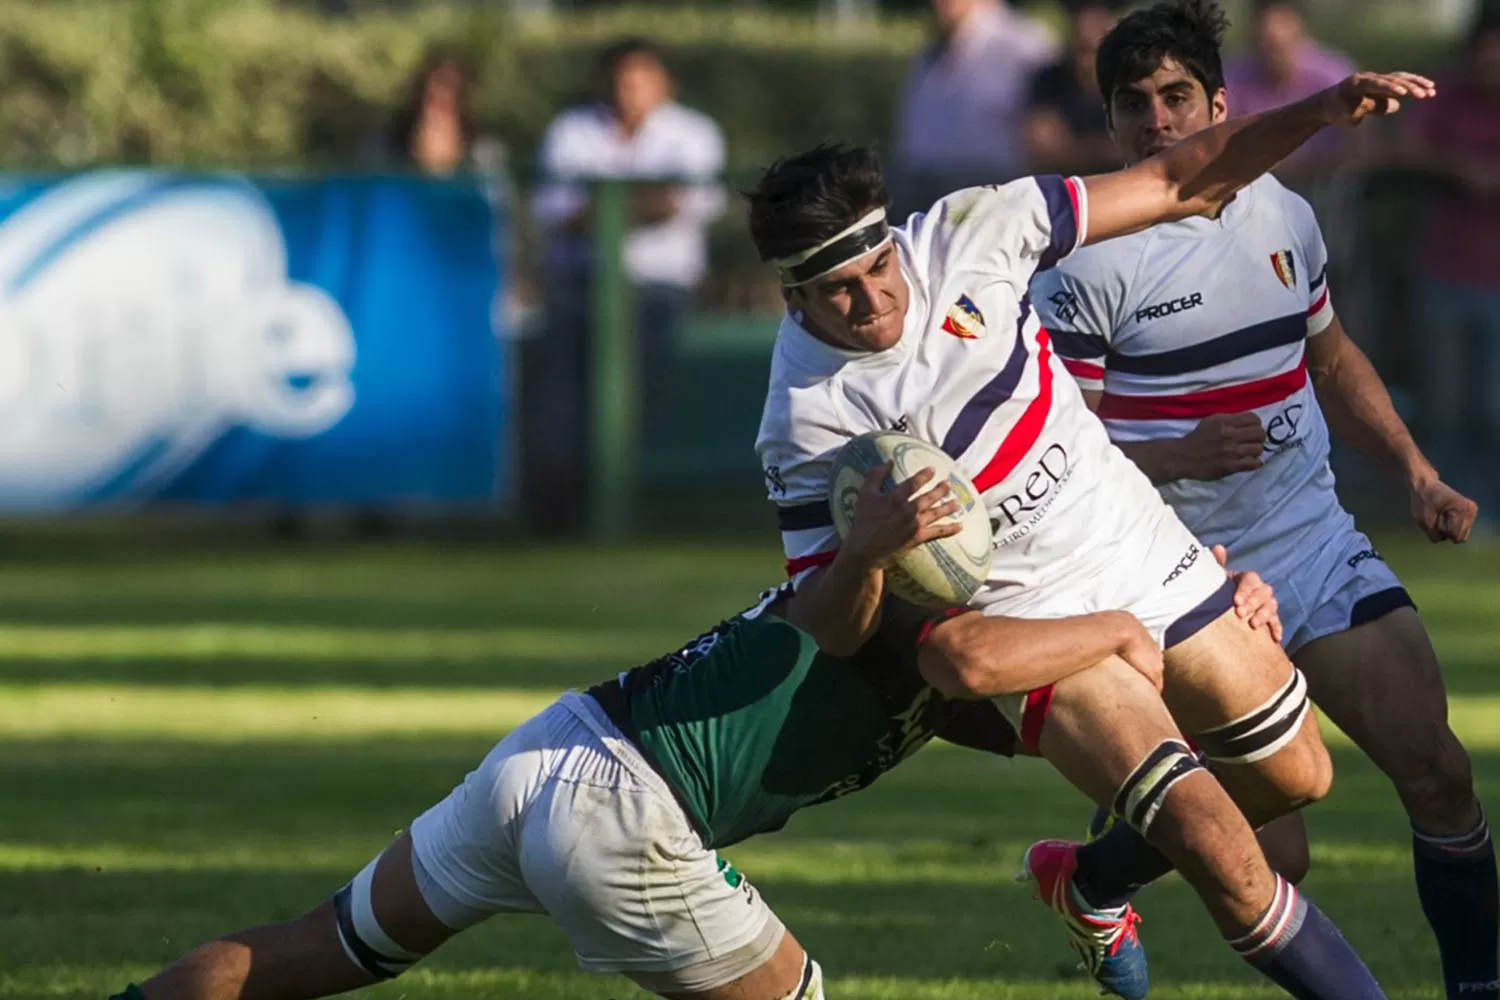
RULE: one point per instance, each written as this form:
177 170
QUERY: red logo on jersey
1285 266
964 320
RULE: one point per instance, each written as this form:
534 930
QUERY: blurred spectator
434 130
1066 130
960 122
636 131
433 133
1456 138
1286 65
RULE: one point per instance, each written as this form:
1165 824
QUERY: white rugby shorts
1338 582
565 817
1159 572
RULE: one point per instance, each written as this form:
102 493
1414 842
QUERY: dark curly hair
1189 32
805 199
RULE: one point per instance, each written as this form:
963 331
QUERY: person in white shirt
928 328
961 117
1211 349
637 132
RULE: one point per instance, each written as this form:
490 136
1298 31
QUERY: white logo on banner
140 319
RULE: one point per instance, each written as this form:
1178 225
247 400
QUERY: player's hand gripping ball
940 572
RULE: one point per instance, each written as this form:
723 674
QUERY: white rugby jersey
1206 316
973 372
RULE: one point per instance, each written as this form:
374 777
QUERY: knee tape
811 986
366 944
1262 732
1141 795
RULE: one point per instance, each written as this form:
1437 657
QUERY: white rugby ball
939 573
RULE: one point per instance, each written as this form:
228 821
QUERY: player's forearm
1203 172
840 606
1163 461
1360 413
1198 175
975 656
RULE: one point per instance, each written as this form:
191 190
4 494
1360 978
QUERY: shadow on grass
545 675
114 853
913 929
620 606
163 793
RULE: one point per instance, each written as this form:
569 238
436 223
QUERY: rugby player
606 810
928 328
1211 349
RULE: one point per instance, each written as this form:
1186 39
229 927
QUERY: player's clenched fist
889 523
1224 444
1442 512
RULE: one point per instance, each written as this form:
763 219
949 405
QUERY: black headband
836 254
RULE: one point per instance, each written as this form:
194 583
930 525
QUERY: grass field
194 742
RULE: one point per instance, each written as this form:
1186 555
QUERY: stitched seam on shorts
459 893
551 761
680 885
616 744
620 748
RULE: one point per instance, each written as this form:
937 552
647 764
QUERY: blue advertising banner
213 338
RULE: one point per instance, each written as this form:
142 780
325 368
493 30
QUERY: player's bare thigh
1104 726
1227 674
1381 684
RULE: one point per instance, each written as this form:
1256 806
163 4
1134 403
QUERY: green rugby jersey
750 721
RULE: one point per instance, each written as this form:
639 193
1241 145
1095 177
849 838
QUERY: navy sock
1298 948
1457 885
1115 867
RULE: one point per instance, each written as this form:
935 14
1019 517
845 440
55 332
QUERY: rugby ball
939 573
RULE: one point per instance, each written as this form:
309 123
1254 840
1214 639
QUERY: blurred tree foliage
256 84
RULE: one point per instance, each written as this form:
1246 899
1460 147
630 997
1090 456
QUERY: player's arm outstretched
1359 411
1200 174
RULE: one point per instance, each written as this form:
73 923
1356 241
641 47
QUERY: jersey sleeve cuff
799 568
1067 217
1320 314
1080 197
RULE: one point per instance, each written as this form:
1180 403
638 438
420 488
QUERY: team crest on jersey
964 320
1285 266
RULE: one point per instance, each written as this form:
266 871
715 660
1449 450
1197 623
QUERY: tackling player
1211 349
606 810
928 328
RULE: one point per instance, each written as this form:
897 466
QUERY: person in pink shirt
1457 141
1285 64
